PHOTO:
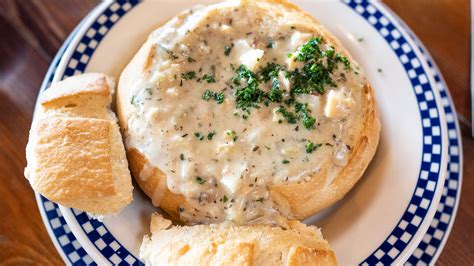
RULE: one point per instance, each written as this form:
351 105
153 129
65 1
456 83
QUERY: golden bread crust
155 183
96 85
83 157
309 256
229 244
75 151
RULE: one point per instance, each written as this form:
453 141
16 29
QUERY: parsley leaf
188 75
200 180
270 71
276 95
310 50
228 49
208 78
289 116
318 68
313 77
170 53
232 134
199 136
207 95
133 100
310 147
210 135
250 95
308 121
219 97
271 43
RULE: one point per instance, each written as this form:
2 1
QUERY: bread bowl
230 244
248 111
75 152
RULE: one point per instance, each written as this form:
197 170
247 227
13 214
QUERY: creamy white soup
233 102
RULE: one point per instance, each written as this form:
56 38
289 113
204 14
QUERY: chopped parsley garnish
225 199
270 43
270 71
275 95
191 60
289 116
148 90
315 75
285 161
301 113
200 180
218 96
188 75
310 50
251 95
248 96
344 60
310 146
210 135
208 78
199 136
232 134
317 69
171 54
207 95
133 100
228 49
307 120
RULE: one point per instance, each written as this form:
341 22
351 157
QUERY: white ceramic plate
392 207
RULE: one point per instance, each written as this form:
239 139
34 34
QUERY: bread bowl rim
365 149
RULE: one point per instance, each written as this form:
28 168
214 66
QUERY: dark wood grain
33 30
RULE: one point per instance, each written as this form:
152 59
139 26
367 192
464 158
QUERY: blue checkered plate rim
116 253
435 238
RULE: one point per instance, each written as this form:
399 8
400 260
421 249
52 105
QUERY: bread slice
228 244
75 152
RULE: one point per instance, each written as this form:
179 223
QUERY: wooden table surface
32 32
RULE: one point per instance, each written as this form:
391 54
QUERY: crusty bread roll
209 140
75 152
228 244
